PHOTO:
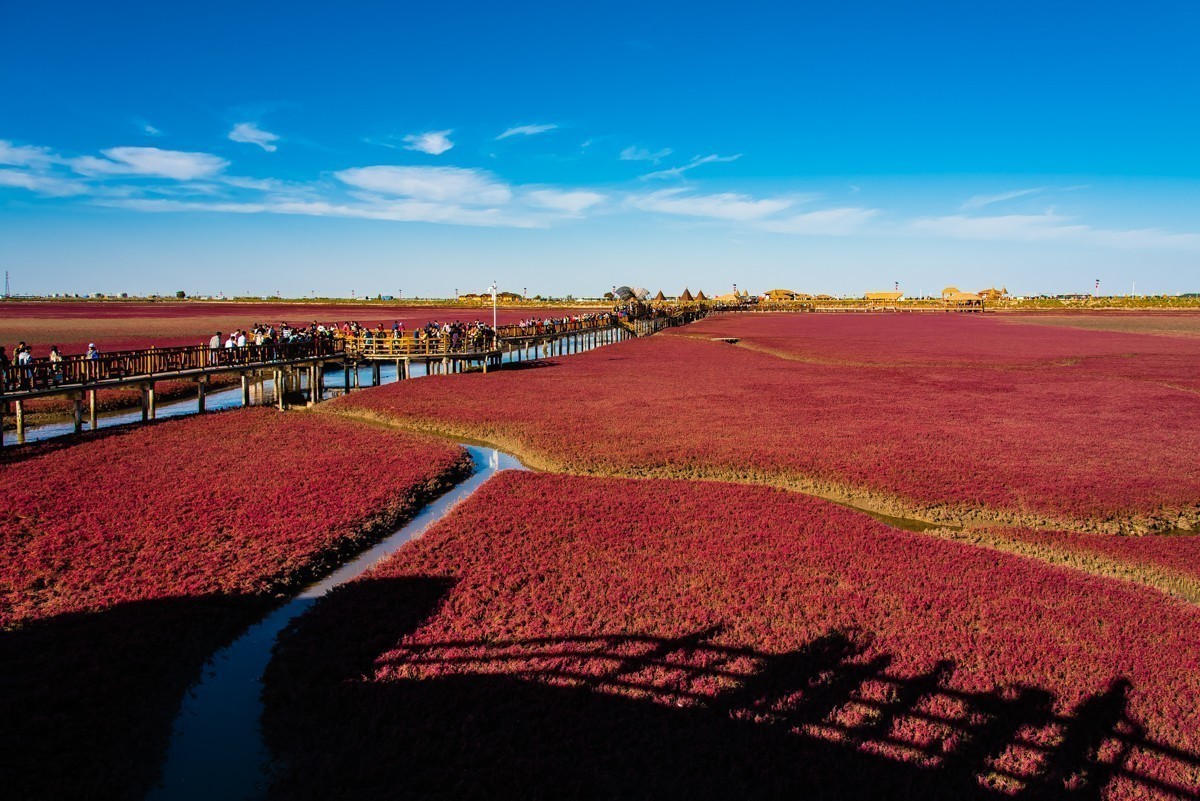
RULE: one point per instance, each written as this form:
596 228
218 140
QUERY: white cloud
250 134
24 155
42 184
675 172
1049 227
1019 227
572 202
150 130
394 210
824 222
634 153
150 161
526 130
439 184
724 206
435 143
979 201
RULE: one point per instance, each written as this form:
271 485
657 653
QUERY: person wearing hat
92 353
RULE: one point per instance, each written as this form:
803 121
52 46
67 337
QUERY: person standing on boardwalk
56 365
215 342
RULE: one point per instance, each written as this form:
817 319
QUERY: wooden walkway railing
392 345
82 372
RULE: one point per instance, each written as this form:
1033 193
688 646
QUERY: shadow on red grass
87 700
619 717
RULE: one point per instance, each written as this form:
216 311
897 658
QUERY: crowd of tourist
21 370
27 370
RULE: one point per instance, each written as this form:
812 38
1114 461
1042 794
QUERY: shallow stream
216 749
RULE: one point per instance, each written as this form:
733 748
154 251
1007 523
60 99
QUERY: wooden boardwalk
297 367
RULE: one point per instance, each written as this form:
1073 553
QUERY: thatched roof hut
884 296
780 294
686 297
660 297
700 295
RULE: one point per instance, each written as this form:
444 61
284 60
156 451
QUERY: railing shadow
628 716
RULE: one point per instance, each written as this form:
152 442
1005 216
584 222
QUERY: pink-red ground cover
128 558
125 325
940 340
1169 562
562 636
1103 441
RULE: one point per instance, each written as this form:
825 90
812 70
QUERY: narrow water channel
216 400
216 749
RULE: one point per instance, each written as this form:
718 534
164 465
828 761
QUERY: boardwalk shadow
642 717
532 364
87 700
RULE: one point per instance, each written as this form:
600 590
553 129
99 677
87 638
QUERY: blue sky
372 147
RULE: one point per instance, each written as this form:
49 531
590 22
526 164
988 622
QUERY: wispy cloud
438 184
979 201
572 202
48 185
435 143
724 206
150 130
823 222
150 161
24 155
634 153
1049 227
526 130
698 161
249 133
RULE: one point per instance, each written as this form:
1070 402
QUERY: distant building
886 297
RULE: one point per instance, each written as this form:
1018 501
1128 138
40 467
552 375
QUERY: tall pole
493 305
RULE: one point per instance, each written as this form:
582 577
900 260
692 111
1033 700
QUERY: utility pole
7 288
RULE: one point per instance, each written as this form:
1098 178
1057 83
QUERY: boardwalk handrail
415 343
81 371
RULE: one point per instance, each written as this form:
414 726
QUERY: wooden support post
245 389
152 397
77 403
376 376
92 422
346 377
145 403
357 377
3 409
399 370
20 409
201 391
279 390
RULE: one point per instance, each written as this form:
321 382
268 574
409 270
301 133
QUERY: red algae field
128 558
950 419
562 636
681 605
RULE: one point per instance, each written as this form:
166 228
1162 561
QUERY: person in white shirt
215 342
241 340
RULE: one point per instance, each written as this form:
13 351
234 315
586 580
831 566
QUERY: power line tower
7 293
